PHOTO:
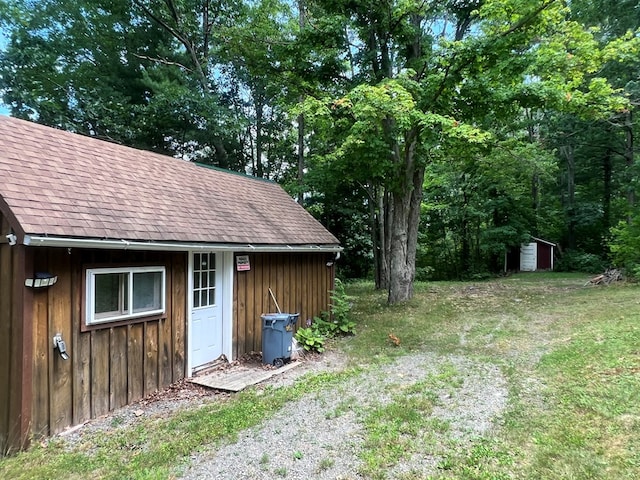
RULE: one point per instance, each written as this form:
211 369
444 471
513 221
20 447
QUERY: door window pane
204 300
204 279
196 298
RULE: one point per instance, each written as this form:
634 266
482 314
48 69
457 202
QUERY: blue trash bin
277 335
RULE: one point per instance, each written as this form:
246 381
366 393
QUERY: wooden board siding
8 379
5 336
15 344
108 367
301 283
178 327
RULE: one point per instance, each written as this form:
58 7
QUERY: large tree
428 74
140 72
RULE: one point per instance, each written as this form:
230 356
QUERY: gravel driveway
312 438
321 435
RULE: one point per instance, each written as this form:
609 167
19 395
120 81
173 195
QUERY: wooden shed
536 255
123 271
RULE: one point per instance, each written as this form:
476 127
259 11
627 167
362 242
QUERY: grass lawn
570 354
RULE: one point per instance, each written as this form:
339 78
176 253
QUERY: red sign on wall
242 263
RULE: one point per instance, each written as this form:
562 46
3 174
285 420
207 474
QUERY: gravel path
321 435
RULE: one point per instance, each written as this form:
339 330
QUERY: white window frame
91 288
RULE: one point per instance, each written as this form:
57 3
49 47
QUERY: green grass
399 428
152 449
570 355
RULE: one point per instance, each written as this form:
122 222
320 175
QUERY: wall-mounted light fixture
12 239
42 279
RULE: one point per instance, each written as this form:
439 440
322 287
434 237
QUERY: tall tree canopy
448 81
429 134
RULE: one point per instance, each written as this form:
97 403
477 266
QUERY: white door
529 257
206 315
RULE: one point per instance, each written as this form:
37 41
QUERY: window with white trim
115 294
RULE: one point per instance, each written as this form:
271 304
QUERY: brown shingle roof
58 183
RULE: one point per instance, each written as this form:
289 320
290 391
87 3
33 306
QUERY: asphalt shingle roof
57 183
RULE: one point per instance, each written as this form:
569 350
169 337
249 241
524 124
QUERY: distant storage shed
534 256
122 271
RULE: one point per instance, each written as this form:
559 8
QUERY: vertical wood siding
15 345
6 321
116 365
301 283
108 367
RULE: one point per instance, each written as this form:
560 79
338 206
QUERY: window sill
122 323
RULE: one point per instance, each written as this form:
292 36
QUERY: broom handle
274 300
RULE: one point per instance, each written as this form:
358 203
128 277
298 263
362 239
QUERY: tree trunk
629 159
535 202
383 217
375 237
259 104
405 219
300 157
607 171
570 197
464 259
301 23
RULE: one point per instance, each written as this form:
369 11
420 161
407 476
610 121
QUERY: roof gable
57 183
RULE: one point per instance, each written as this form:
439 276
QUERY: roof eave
121 244
543 241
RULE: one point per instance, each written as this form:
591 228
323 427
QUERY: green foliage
158 78
578 261
329 325
487 109
310 339
625 247
341 305
478 204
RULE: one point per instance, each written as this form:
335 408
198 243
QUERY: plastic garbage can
277 335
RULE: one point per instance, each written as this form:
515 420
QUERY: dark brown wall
15 345
6 327
110 366
544 256
42 394
301 283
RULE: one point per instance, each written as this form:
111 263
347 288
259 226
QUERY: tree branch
524 20
174 12
202 78
163 61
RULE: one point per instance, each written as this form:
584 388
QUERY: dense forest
430 136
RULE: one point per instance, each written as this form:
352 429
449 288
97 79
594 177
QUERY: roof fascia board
45 241
536 239
6 211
